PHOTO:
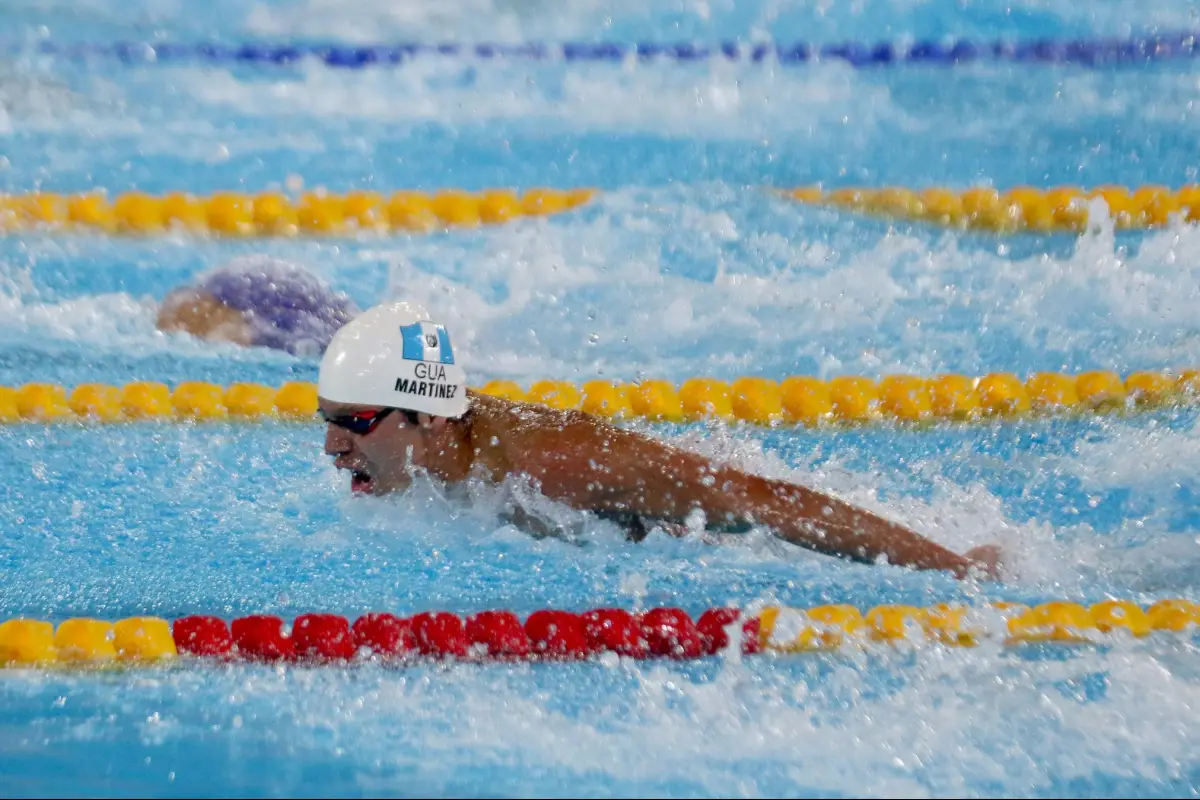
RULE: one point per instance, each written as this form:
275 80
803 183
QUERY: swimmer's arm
193 311
602 469
817 521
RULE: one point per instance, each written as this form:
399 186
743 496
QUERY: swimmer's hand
986 561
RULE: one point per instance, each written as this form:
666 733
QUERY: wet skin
589 464
204 316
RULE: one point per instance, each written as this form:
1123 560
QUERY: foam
488 20
1150 458
116 324
646 281
642 286
115 320
518 20
721 101
35 99
951 723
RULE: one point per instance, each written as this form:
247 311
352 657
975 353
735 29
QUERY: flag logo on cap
426 341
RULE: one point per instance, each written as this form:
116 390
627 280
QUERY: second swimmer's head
259 301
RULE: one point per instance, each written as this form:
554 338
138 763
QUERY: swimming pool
682 266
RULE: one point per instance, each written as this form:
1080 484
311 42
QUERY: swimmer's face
379 461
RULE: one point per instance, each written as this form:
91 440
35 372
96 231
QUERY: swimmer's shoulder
514 420
195 311
538 440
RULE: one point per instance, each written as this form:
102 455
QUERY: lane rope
797 400
1093 52
558 635
272 213
1021 208
277 214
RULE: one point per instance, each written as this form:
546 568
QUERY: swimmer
259 301
394 399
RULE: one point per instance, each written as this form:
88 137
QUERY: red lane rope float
556 635
493 635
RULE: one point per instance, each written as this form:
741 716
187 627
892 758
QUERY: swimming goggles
361 423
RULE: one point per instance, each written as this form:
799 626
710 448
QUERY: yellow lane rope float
1022 208
277 214
798 400
834 626
558 635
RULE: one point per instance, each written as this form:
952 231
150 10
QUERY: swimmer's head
389 389
260 301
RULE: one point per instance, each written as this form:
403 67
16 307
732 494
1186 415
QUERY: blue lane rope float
949 52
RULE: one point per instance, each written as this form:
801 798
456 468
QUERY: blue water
683 266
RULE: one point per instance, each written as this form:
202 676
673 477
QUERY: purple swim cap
287 307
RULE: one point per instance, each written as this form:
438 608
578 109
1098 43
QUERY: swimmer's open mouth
360 481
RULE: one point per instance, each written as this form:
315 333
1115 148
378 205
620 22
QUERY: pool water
684 265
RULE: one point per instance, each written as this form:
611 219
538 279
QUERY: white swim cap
393 355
